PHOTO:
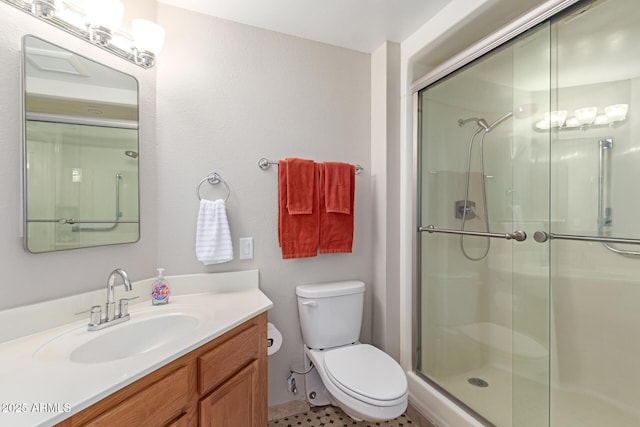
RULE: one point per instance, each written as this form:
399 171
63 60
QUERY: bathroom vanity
200 360
223 382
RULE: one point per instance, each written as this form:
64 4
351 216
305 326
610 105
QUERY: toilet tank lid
330 289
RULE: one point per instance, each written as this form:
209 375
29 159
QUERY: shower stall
528 244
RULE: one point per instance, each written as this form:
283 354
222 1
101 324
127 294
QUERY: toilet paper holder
274 339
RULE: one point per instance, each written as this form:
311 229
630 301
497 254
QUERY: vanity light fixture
583 118
98 24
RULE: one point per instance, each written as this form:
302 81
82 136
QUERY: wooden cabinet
222 384
234 403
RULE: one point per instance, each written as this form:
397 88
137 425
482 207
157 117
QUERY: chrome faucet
111 303
111 318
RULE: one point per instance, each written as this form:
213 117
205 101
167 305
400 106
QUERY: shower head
131 153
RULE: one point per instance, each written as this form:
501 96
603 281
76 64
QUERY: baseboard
417 417
293 407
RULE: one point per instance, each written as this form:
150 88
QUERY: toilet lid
366 371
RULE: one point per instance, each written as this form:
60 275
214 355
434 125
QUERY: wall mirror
80 151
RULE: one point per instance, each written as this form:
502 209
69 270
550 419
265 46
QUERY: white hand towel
213 238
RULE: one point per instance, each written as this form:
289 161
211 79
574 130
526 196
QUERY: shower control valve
468 211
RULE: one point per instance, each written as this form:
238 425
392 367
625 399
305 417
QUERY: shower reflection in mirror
80 151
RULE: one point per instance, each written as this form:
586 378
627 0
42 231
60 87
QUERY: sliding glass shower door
528 160
485 181
595 164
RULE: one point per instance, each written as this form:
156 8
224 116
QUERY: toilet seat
367 374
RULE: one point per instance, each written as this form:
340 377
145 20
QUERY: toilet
366 383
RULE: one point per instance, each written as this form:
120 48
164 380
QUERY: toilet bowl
359 378
366 383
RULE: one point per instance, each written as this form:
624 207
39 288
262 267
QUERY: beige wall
229 94
385 186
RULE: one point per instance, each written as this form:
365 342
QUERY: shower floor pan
569 407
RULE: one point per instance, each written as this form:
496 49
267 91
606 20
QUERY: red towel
337 187
297 234
336 229
302 178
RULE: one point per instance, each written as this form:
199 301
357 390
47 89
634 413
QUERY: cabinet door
154 406
234 403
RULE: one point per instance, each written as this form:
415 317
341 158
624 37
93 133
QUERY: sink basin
134 337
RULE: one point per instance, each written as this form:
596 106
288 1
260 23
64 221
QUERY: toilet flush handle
310 303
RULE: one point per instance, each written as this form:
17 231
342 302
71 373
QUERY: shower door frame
486 45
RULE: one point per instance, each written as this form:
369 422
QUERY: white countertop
37 390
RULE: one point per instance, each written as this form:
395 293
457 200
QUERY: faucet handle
124 306
96 315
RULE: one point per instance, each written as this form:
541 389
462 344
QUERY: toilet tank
330 313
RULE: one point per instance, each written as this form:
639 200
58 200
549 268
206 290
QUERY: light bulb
103 19
617 112
601 119
148 36
572 122
543 124
556 118
104 13
586 115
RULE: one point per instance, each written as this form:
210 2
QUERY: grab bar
543 236
84 221
605 219
118 214
517 235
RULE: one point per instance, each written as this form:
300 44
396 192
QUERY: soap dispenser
160 291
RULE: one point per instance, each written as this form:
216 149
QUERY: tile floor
334 417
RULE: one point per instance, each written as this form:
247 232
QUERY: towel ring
213 178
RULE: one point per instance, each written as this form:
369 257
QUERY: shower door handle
543 236
517 235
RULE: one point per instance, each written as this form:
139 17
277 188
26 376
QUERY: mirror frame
24 172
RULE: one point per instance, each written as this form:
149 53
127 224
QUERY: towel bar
265 164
